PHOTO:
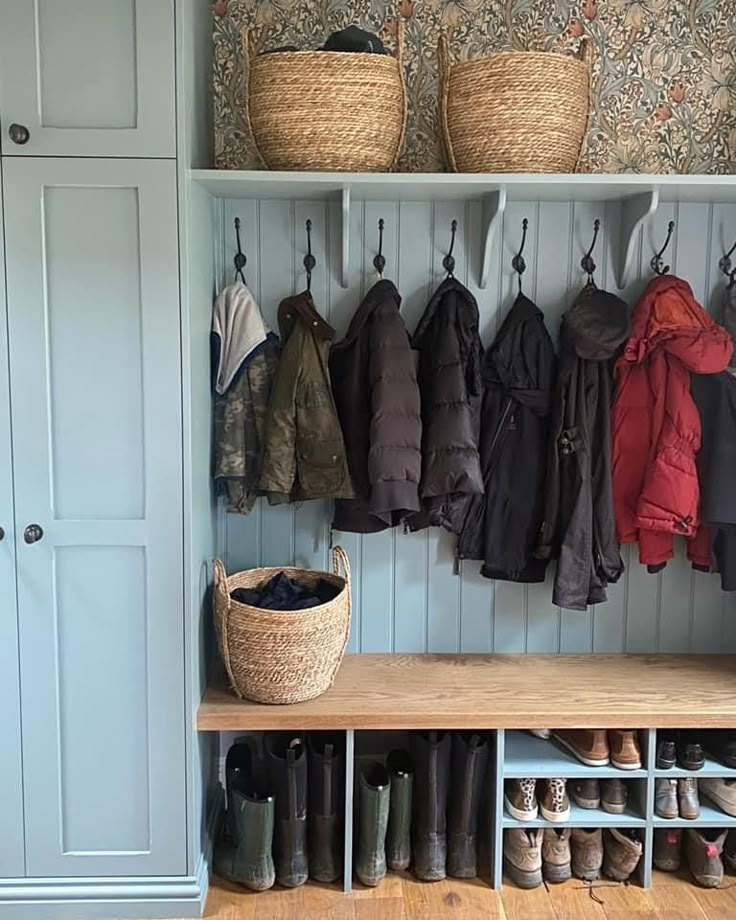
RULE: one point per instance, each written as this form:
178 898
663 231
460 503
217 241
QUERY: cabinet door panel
11 787
88 77
95 375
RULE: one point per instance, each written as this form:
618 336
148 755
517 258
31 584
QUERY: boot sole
612 809
520 878
666 816
589 762
586 803
690 816
691 765
556 873
587 875
556 817
626 765
667 865
616 874
727 807
518 813
666 764
708 881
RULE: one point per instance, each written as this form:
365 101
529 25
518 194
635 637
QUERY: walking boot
703 850
469 764
286 767
622 853
375 798
326 759
667 848
587 852
398 842
556 854
522 856
431 751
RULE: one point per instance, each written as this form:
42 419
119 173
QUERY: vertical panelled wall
406 596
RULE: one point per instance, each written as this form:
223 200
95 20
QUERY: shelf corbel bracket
635 211
494 204
345 258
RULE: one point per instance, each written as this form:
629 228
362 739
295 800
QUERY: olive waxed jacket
304 452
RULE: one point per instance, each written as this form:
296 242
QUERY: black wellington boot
286 769
374 793
469 766
326 808
398 841
431 754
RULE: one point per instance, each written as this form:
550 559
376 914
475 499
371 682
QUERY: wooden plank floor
401 897
501 691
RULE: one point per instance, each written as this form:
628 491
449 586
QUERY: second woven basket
515 111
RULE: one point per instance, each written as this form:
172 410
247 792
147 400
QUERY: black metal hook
309 260
517 263
587 262
379 262
726 266
657 262
448 263
240 258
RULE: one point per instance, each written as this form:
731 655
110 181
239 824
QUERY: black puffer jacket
501 527
579 527
373 372
450 354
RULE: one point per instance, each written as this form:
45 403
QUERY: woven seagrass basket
281 656
326 110
515 111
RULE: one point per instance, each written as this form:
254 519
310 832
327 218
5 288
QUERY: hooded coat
450 351
374 378
518 374
304 451
656 425
578 526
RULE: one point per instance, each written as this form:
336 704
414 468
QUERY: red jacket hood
668 317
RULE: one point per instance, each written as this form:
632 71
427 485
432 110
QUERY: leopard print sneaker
554 803
520 799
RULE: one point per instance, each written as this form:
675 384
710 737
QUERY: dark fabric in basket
284 593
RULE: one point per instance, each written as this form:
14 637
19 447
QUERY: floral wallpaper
664 82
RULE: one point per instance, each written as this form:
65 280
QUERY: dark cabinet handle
2 535
19 134
33 533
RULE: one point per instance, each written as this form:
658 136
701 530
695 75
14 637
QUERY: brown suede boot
589 745
621 854
556 854
703 850
522 856
587 852
625 750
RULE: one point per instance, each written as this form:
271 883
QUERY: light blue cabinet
11 788
87 77
95 378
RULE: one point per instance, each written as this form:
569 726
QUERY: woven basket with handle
281 656
326 110
515 111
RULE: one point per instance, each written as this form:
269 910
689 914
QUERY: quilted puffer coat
450 352
375 384
518 372
655 423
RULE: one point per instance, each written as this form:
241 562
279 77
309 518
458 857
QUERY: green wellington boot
431 754
326 804
398 841
375 796
239 768
246 858
469 767
286 768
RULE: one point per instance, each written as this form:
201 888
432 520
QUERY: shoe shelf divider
503 694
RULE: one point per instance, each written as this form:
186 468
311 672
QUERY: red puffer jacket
656 426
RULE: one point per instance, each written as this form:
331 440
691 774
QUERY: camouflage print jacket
304 453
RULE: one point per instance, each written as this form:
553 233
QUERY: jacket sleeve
548 541
278 469
395 457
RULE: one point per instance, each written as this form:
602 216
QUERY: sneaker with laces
520 799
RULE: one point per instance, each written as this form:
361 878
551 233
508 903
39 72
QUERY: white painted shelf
639 195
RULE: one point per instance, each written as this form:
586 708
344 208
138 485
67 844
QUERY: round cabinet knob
2 535
19 134
33 533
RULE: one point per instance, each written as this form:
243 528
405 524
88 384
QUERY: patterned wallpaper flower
664 83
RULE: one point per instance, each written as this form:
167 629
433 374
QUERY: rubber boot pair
385 802
444 839
244 853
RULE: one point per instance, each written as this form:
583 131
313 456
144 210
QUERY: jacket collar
448 287
301 307
379 294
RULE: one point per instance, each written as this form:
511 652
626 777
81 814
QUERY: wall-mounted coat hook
379 262
726 266
517 263
657 262
240 258
309 260
587 262
448 263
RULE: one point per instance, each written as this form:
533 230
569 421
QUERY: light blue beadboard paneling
406 597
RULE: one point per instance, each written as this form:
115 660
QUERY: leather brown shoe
614 796
625 750
586 793
622 853
586 845
589 745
